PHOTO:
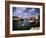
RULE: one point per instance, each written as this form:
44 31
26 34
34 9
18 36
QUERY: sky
25 12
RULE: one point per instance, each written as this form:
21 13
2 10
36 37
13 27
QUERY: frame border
7 18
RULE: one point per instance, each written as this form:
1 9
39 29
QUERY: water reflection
24 23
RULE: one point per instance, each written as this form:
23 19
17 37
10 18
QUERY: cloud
25 12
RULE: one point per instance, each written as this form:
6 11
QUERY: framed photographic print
24 18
